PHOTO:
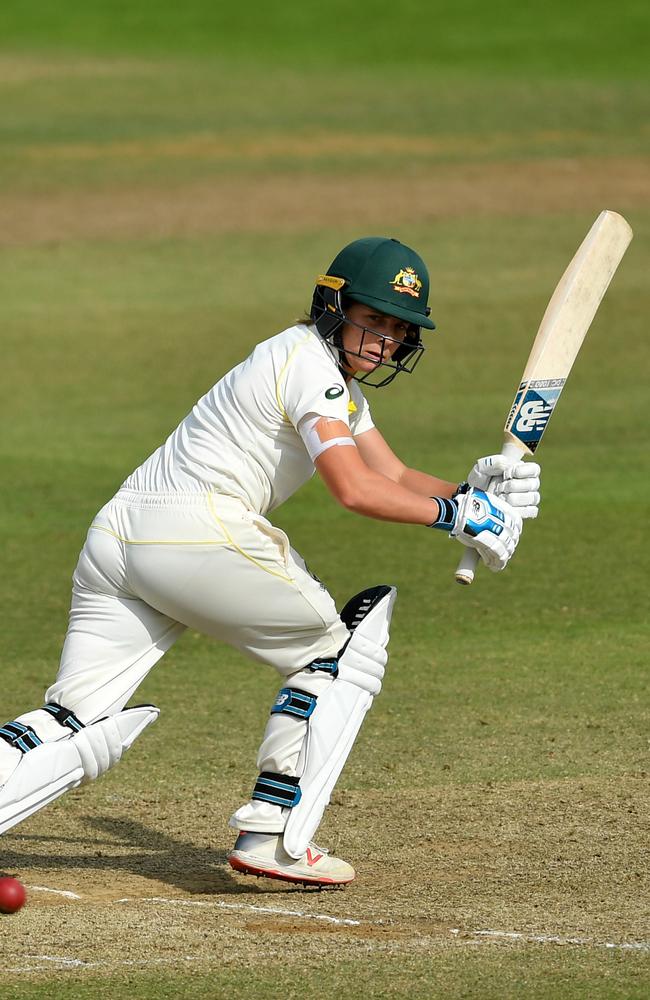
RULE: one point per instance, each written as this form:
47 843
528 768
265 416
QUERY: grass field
169 187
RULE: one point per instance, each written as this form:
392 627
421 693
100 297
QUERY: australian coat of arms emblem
407 281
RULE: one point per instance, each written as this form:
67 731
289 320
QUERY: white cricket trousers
155 564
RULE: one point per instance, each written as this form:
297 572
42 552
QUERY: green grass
79 124
535 977
584 39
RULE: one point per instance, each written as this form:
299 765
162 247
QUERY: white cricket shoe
263 854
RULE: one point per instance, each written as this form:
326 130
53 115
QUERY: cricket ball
12 895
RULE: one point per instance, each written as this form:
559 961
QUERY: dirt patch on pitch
307 201
21 69
305 148
563 859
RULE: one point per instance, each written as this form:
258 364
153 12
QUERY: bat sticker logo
532 408
533 416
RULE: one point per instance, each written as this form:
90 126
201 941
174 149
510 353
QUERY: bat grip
470 559
467 567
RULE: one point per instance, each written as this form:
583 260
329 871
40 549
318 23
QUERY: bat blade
564 326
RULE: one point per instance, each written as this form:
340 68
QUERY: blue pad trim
327 666
21 737
280 789
64 716
292 701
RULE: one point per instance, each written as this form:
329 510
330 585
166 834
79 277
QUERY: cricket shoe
263 854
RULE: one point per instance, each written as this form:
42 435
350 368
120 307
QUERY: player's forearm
373 495
426 485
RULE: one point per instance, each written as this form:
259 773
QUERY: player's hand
516 481
489 524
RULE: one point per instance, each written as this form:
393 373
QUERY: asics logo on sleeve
334 392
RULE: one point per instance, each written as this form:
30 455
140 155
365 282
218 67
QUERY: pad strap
293 701
328 666
280 789
20 737
64 716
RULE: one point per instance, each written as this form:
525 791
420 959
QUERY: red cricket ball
12 895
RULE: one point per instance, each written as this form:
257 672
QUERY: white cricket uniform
185 543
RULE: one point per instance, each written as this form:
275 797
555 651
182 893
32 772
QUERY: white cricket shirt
241 438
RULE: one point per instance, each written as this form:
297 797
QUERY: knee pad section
363 663
102 744
99 748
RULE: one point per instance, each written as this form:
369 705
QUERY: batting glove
489 524
516 482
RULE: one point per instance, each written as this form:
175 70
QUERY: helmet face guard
392 279
328 313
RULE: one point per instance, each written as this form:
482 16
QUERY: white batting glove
516 481
488 524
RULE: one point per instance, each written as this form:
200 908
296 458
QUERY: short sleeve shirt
241 437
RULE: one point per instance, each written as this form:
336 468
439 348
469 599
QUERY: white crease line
57 892
558 939
218 904
62 962
76 963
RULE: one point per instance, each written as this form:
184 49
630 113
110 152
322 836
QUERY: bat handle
467 567
470 559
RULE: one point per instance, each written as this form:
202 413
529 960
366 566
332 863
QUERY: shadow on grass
138 850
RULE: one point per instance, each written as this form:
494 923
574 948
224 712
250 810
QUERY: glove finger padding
487 468
518 493
523 470
513 487
527 509
502 469
517 482
489 524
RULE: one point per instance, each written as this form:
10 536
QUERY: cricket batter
186 543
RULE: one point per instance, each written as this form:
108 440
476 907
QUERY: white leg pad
53 768
41 776
336 720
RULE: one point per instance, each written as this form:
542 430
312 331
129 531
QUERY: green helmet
386 275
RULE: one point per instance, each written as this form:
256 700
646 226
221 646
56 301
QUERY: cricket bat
563 328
